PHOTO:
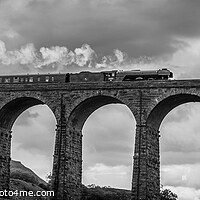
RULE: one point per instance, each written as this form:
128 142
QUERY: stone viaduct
72 103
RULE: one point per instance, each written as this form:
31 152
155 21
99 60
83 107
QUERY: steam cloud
59 57
83 56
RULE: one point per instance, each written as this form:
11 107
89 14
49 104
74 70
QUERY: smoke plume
57 58
83 56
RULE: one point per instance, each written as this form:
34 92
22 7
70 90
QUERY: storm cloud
141 28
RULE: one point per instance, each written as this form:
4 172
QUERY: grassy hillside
20 185
20 172
24 179
105 193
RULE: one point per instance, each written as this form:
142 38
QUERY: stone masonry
72 104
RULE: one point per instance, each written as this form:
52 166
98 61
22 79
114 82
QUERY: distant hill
19 171
19 185
105 193
24 179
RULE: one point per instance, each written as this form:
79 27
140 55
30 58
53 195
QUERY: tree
167 194
48 178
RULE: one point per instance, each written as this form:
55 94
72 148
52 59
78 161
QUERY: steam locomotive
86 76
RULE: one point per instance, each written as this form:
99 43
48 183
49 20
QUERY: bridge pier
5 145
146 167
67 169
73 164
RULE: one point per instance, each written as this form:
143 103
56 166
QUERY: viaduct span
72 103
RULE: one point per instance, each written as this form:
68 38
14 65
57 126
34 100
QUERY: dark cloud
151 28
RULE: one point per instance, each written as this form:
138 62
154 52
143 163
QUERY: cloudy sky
74 35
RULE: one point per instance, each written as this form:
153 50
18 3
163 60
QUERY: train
87 76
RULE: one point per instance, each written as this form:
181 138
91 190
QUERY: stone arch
51 100
116 95
9 112
168 92
150 132
82 111
71 163
166 105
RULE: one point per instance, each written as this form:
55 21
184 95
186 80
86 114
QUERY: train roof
38 74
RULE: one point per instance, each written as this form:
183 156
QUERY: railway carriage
87 76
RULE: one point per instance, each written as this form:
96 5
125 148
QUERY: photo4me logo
22 193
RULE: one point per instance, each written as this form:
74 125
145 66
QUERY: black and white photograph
100 99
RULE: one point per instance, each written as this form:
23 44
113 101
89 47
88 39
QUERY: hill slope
24 179
105 193
19 171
